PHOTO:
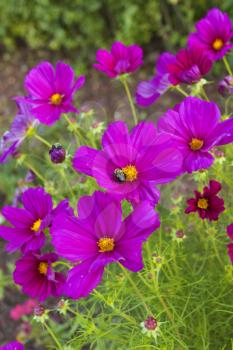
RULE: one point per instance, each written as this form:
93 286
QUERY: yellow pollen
196 144
35 227
202 203
106 244
43 268
130 172
56 99
217 44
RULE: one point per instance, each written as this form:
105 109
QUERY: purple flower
230 245
29 223
99 237
149 91
131 164
51 91
34 272
196 128
213 34
225 86
207 204
12 346
120 60
189 66
21 125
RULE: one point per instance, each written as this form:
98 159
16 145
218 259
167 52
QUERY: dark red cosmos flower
207 204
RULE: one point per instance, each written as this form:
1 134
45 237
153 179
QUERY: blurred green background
79 27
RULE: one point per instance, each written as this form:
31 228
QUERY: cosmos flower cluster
129 165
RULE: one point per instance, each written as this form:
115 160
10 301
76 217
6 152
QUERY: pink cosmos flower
120 60
99 236
131 164
29 223
23 309
51 91
213 34
34 272
195 127
207 204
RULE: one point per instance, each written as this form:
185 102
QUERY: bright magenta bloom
29 223
99 236
34 272
51 91
207 204
213 34
120 60
131 164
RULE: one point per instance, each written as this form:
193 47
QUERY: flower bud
57 153
225 86
39 310
180 234
150 323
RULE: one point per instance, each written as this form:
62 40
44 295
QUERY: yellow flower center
43 268
35 227
130 172
106 244
202 203
56 99
217 44
196 144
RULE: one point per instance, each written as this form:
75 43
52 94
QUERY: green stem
53 336
178 88
57 263
66 181
227 65
128 93
77 134
42 140
204 93
35 171
137 291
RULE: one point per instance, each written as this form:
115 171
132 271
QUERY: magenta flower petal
15 345
121 60
51 91
37 202
20 218
143 155
195 128
81 280
230 251
230 231
213 34
34 273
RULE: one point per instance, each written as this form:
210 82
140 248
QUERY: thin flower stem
77 134
204 93
57 263
53 336
42 140
137 291
35 171
128 93
178 88
227 65
66 182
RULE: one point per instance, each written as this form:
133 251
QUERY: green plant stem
227 65
35 171
137 291
66 182
57 263
42 140
53 336
178 88
77 134
128 93
204 93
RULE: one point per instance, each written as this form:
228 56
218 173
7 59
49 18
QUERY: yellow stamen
217 44
35 227
202 203
56 99
130 172
106 244
43 267
196 144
